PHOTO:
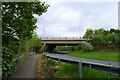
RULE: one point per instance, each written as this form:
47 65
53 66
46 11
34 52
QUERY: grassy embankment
65 70
72 71
112 56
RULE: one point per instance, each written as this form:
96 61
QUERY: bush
7 63
87 47
77 48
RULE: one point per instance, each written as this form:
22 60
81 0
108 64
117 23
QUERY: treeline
98 40
85 46
18 37
29 45
103 39
64 48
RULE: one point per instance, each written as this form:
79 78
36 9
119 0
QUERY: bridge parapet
63 38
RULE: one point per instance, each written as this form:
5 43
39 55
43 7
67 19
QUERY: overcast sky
72 18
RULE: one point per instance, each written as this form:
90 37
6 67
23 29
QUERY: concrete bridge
49 43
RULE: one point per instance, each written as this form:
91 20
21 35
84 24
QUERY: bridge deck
63 38
110 64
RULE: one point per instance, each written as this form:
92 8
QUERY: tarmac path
29 68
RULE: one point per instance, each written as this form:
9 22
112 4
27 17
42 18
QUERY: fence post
51 61
46 59
58 61
69 62
80 70
90 66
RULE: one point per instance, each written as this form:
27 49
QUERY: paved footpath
28 69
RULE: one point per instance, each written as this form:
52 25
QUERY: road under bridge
49 43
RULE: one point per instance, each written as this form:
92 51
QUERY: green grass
113 56
67 71
72 71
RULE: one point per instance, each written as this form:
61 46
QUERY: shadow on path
28 69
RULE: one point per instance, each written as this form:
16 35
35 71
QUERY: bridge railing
61 38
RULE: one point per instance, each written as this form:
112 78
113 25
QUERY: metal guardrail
102 64
19 60
62 38
105 63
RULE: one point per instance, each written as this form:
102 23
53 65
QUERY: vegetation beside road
65 70
103 39
102 44
45 70
112 56
18 28
72 71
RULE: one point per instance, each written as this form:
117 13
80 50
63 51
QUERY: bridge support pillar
80 70
43 48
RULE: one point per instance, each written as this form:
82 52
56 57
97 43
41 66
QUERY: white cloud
72 19
57 1
67 14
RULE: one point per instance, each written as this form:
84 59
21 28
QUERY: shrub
77 48
7 63
87 47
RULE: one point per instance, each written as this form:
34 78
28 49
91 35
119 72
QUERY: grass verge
72 71
65 70
112 56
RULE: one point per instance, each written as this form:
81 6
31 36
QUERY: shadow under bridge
49 44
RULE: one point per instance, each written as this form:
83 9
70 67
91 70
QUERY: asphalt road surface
28 69
85 60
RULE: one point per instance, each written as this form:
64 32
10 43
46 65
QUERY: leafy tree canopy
101 37
18 25
18 20
88 33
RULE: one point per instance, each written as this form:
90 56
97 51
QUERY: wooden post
80 70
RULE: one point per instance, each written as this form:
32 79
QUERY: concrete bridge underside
49 45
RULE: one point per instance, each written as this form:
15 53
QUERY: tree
18 24
18 20
88 33
111 38
117 42
112 30
36 43
101 38
31 45
99 31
